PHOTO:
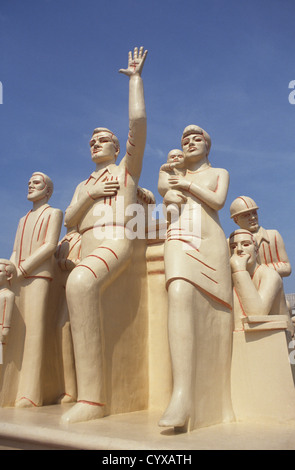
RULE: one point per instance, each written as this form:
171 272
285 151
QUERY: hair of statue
97 130
47 181
193 129
245 232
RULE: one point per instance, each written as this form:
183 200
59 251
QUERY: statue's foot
65 398
24 403
179 421
176 416
83 411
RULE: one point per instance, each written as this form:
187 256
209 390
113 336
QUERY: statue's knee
179 289
80 278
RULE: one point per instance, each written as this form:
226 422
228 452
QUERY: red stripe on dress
213 269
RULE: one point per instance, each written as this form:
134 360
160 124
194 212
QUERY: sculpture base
40 429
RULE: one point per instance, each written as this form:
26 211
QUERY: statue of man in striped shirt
271 247
33 256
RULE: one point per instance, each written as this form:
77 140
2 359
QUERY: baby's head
176 156
7 271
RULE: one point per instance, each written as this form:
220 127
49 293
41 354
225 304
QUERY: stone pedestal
262 380
40 429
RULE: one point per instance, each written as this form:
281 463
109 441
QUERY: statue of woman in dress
198 280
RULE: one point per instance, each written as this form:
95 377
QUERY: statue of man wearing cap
271 247
106 247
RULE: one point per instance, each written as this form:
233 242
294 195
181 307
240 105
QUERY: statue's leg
83 290
30 391
200 331
182 347
67 355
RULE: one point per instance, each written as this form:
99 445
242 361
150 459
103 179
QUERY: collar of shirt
262 235
97 175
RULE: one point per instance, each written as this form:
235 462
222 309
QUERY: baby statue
175 166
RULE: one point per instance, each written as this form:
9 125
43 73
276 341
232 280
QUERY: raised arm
137 114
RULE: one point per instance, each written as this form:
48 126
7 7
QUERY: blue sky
222 64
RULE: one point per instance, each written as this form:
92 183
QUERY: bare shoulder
220 172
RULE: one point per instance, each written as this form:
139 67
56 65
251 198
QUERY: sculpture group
75 313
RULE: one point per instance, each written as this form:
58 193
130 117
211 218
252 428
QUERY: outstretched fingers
135 61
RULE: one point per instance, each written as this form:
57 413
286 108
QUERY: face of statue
3 276
242 245
102 147
194 147
248 220
175 157
38 188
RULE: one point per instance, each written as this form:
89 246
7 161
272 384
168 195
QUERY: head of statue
40 187
243 211
243 243
7 271
176 156
104 145
196 142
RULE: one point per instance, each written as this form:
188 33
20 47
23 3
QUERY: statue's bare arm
137 113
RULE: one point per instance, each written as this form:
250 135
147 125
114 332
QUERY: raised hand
238 263
135 63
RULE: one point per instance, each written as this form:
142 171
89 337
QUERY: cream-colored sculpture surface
106 244
33 256
198 279
262 382
68 255
259 290
7 299
272 252
175 166
177 323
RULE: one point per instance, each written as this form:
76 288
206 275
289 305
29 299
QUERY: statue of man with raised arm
106 248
